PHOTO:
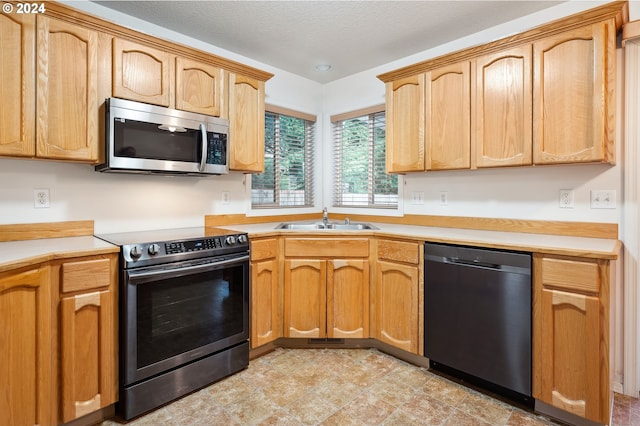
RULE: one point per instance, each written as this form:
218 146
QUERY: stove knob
242 239
135 252
153 249
230 240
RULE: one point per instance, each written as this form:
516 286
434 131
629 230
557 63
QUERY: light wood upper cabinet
26 324
246 124
405 124
571 335
448 117
17 85
544 96
199 87
141 73
502 108
88 350
67 96
266 304
574 96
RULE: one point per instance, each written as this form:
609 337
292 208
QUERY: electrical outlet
603 199
417 197
225 197
444 198
41 198
566 199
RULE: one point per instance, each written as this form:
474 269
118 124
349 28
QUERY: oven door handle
140 277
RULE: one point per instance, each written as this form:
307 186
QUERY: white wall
118 202
123 202
523 193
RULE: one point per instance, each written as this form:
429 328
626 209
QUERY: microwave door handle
203 158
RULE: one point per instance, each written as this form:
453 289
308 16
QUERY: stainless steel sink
353 226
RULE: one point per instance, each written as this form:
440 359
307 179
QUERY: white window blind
287 180
359 161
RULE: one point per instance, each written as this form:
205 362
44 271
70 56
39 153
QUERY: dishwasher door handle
470 262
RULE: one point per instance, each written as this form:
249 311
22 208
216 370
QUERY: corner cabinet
571 335
88 352
398 296
26 333
574 101
405 124
246 124
326 287
545 96
266 299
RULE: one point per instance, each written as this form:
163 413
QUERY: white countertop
538 243
17 254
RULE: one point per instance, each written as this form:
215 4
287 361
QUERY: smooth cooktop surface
164 235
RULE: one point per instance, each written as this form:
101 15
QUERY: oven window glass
180 314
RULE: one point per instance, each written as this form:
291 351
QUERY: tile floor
345 387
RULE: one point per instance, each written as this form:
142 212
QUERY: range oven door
177 313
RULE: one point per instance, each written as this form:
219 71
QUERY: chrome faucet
325 217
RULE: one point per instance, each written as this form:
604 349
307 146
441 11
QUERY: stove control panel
209 246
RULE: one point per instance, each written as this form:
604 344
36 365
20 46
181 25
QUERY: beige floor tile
342 387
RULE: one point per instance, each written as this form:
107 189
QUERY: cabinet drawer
571 274
86 274
318 247
264 249
399 251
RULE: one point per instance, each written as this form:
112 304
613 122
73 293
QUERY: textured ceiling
352 36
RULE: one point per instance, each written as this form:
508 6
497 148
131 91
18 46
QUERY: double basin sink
355 226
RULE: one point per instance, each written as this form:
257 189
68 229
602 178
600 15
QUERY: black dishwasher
477 319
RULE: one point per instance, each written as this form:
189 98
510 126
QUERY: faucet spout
325 216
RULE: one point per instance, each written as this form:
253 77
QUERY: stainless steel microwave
143 138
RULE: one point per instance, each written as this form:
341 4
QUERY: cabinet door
305 298
26 335
246 124
503 110
88 367
569 365
397 305
141 73
17 85
405 125
348 298
67 91
199 87
448 117
573 101
266 322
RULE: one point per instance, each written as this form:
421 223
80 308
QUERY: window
359 147
287 180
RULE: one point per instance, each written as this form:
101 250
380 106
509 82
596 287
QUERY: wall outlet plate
444 198
566 199
41 198
603 199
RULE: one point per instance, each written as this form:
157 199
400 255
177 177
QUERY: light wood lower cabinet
58 340
326 287
571 335
398 296
266 300
88 350
26 334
